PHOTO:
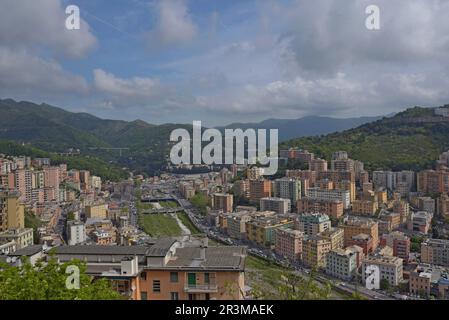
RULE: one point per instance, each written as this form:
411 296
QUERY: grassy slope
186 221
158 225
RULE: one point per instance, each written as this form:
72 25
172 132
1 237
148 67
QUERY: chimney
202 253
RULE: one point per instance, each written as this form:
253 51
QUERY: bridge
102 148
163 210
157 199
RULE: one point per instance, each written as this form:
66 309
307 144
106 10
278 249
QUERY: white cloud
137 86
143 92
21 71
174 24
29 23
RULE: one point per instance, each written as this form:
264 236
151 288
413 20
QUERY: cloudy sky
222 61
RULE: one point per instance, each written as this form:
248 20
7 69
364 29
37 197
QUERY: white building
278 205
330 195
383 179
288 188
341 263
390 268
76 233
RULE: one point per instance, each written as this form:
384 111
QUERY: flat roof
216 258
27 251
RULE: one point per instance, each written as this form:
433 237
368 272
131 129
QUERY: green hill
409 140
412 139
55 130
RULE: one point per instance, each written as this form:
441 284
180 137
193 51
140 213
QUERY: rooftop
27 251
215 258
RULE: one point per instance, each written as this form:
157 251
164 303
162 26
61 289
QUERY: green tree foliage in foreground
47 281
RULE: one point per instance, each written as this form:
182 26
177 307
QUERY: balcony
200 288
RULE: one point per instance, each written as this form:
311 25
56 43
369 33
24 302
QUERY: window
192 296
174 295
173 277
143 295
156 286
206 278
143 276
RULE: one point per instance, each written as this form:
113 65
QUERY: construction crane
101 148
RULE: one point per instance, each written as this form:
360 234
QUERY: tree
71 216
296 287
200 201
384 284
33 222
47 281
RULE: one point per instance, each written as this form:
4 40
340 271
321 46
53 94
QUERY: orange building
332 208
167 269
354 227
259 189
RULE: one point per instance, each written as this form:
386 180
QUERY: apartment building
302 155
97 211
236 224
365 207
303 175
259 189
390 268
323 194
399 242
166 269
278 205
443 205
223 201
12 211
335 236
22 237
363 241
241 188
288 188
392 221
435 251
314 251
403 208
341 263
383 180
24 183
355 226
333 208
261 230
426 280
431 181
288 243
254 173
76 233
420 221
318 165
313 223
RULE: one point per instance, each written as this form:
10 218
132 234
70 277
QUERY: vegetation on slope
390 143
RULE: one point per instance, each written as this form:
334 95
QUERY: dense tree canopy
47 281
